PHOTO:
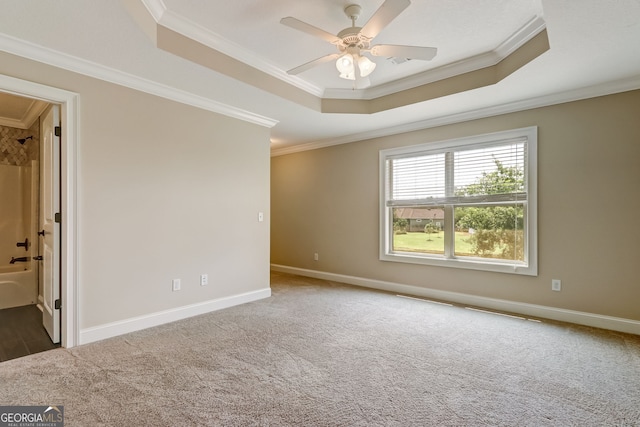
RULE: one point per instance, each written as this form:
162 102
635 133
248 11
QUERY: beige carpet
323 354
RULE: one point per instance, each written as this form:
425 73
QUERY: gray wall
588 152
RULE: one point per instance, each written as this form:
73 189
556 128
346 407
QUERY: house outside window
465 203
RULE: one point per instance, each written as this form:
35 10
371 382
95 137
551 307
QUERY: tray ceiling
592 51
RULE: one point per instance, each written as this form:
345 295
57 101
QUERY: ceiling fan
353 42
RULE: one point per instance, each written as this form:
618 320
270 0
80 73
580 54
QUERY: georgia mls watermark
31 416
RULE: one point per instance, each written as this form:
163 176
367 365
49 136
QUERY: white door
49 206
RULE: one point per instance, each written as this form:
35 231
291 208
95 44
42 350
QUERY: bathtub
17 286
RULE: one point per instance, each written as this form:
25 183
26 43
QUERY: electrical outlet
316 257
175 284
204 279
556 285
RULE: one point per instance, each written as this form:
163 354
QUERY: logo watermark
31 416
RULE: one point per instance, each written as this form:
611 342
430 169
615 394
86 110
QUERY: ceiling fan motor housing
351 37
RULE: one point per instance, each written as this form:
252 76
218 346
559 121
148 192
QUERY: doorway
64 213
29 236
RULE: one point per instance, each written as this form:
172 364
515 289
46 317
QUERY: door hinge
57 217
57 131
58 304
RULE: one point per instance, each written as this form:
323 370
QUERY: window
467 203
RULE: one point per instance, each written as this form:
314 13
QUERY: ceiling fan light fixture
345 65
366 66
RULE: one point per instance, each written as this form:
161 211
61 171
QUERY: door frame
68 102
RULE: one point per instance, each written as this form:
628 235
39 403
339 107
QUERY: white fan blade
309 29
389 10
311 64
409 52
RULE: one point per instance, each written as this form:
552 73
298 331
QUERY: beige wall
326 201
161 187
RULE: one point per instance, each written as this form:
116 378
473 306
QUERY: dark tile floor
22 333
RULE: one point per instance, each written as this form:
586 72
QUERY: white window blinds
481 174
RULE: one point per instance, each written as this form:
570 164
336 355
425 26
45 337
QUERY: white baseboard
113 329
541 311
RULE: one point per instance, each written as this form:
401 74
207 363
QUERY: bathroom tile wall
16 154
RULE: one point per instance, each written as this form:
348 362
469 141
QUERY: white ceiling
593 50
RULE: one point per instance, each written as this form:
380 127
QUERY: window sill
462 263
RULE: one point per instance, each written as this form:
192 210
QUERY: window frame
530 265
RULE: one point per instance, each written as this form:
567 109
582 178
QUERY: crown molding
12 123
181 25
183 37
519 37
68 62
156 8
36 108
603 89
